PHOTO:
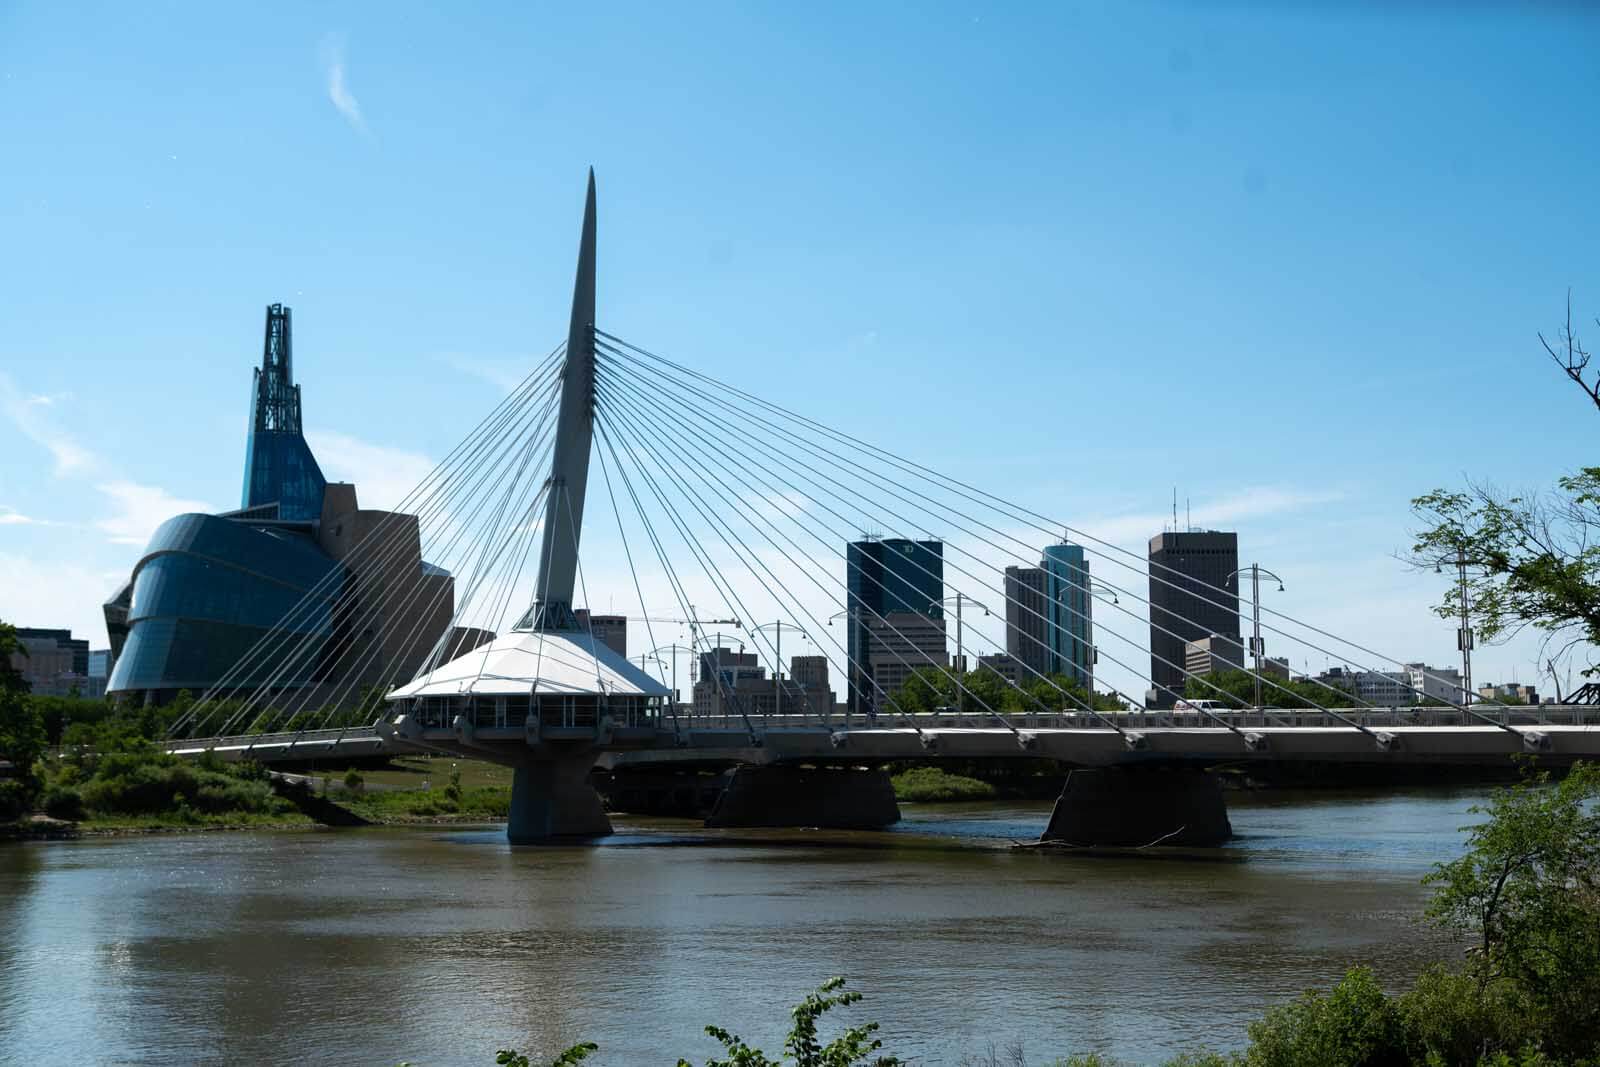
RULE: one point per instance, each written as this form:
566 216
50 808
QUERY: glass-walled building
883 577
1071 609
281 583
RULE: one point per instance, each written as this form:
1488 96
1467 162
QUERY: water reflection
440 946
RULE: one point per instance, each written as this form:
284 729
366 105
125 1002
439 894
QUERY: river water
439 946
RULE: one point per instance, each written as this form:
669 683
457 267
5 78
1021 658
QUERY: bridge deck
1383 736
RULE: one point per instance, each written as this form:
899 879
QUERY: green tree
1533 559
1237 690
1528 892
22 735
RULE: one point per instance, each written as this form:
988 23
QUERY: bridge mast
569 466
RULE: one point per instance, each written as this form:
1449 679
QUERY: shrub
16 799
353 780
931 785
1353 1025
63 802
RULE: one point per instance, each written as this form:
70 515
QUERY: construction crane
735 623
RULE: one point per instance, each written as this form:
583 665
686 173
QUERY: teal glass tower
1070 607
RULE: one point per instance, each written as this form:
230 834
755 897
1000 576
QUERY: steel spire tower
569 466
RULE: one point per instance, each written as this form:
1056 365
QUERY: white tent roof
521 663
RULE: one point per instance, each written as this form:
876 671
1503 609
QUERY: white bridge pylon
548 655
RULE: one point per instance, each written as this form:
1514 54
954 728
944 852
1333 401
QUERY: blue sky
1291 262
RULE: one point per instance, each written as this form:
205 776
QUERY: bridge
735 501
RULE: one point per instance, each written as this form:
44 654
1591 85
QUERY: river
439 946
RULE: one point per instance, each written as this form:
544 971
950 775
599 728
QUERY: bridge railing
1537 715
274 740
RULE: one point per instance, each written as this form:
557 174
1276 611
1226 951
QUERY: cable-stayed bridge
716 502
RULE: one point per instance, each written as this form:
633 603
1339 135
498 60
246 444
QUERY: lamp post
777 671
675 649
851 670
1090 654
1257 648
961 658
1464 628
708 638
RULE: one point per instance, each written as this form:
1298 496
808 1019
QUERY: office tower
890 577
1194 594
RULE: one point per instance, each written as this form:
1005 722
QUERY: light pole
851 670
652 656
717 667
1464 629
961 658
1092 588
1257 648
777 670
675 649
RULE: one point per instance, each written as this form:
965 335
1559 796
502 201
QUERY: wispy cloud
13 517
505 374
23 409
383 476
339 94
139 510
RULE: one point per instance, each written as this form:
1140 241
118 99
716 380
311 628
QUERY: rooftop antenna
1188 516
1174 509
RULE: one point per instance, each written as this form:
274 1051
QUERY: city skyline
82 383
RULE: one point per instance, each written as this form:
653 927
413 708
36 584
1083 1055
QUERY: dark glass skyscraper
1193 594
887 576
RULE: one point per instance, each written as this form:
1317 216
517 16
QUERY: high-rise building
1193 594
898 645
609 630
883 577
1050 615
1071 612
1028 620
282 579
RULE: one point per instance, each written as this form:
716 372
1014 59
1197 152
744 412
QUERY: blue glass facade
208 589
1070 608
890 575
280 469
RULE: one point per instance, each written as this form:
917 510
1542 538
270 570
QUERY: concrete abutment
1134 807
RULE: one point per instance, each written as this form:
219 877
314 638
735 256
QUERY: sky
1289 261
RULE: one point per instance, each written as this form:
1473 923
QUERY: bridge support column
1131 807
552 801
839 798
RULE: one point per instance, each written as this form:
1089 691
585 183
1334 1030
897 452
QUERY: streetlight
1464 630
777 671
1257 648
961 659
1090 653
675 649
718 637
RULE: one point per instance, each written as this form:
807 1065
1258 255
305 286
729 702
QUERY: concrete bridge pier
837 798
552 801
1130 807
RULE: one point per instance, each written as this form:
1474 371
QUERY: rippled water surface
440 946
